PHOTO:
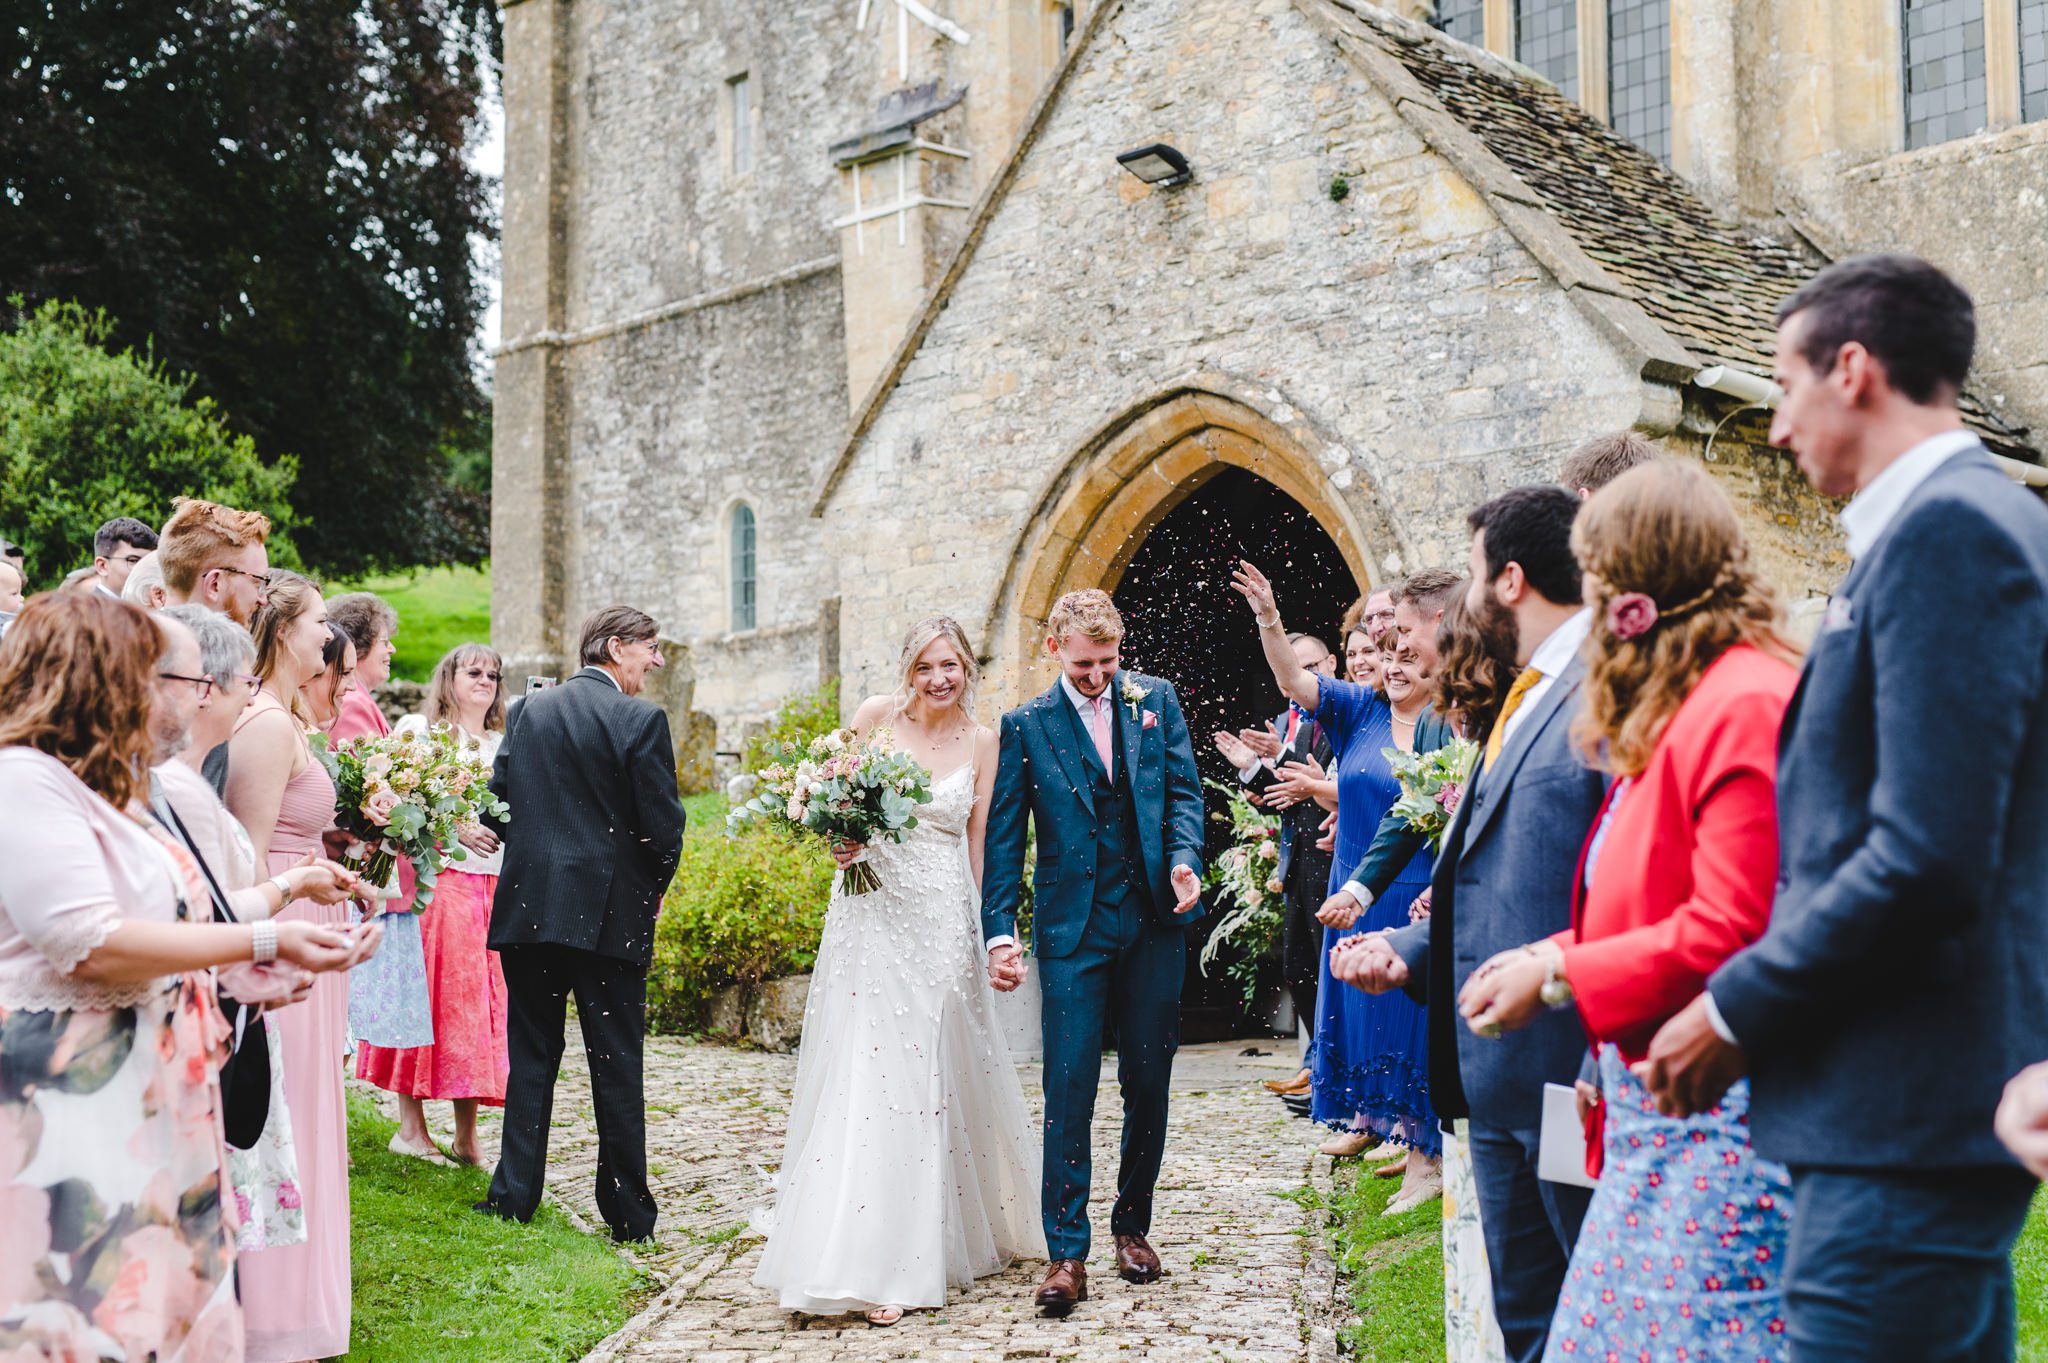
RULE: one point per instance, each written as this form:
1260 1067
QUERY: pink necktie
1099 725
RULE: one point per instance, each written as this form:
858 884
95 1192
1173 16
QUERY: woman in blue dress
1369 1063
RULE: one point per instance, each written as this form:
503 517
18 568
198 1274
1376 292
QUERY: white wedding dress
910 1163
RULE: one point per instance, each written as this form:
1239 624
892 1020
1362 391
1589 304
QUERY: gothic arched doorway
1187 625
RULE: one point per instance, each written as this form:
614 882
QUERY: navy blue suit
1109 946
1503 879
1904 976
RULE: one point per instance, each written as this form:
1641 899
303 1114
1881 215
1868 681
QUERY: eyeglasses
255 682
260 579
205 684
1387 614
474 672
130 559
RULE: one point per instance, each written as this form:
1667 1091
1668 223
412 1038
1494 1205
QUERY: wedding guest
1605 458
105 938
117 547
1504 875
590 771
297 1295
1362 657
1899 982
1686 686
12 584
388 1001
1301 870
324 692
214 556
10 552
466 1059
145 585
1373 612
1359 723
1475 669
1419 604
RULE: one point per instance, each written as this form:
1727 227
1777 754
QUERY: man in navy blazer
1904 975
1504 877
1102 768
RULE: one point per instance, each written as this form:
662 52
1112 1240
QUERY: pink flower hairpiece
1631 615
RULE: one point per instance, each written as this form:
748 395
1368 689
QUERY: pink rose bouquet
410 795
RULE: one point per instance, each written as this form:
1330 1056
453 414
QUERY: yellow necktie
1523 684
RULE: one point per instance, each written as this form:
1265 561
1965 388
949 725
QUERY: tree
276 199
87 435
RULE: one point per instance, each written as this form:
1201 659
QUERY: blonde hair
289 597
922 636
1666 531
440 706
199 534
1089 613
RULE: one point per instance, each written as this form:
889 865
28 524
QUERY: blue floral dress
1369 1062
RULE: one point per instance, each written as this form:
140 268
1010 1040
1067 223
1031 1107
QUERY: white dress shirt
1864 520
1872 510
1085 707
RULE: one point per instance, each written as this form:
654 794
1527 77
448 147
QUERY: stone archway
1096 512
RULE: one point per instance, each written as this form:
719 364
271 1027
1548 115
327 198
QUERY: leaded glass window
743 583
1465 20
1547 41
1639 73
2033 59
1946 96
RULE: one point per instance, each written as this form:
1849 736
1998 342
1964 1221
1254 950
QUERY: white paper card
1561 1158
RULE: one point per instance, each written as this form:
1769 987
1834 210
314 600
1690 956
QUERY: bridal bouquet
1246 875
843 790
410 795
1432 783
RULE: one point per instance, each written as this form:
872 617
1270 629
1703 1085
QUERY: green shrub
800 718
741 909
87 434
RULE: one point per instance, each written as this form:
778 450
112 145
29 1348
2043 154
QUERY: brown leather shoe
1065 1286
1135 1260
1296 1086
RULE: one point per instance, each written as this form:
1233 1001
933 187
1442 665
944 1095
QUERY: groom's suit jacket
1904 975
1044 777
596 828
1504 878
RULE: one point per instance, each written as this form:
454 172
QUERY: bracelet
1267 624
284 890
263 942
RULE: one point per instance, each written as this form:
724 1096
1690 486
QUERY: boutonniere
1134 695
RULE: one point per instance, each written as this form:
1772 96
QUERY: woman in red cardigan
1687 684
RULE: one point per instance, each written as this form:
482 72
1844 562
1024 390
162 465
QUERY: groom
1101 765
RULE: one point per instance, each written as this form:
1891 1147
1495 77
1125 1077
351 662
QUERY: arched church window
745 597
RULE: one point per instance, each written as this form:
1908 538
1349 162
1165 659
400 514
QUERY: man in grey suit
1901 979
1504 877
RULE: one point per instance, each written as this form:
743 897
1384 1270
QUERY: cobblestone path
1246 1277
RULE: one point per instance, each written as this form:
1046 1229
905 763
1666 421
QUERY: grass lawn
434 1280
1394 1273
1393 1270
2030 1279
438 608
705 814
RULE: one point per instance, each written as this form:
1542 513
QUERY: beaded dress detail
910 1162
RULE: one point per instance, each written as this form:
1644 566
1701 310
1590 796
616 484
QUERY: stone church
823 315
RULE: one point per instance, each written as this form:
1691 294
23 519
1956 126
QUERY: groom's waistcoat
1118 860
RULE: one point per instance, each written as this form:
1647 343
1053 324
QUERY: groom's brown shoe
1135 1261
1065 1286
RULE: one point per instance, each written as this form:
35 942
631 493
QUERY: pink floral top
72 867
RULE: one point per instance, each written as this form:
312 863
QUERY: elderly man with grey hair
145 584
226 656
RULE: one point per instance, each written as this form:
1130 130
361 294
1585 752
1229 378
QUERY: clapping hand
1262 742
1368 962
1187 890
1299 782
1235 750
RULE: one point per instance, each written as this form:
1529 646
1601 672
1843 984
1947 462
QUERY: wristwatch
1556 992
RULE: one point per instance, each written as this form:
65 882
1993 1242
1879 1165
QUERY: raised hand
1263 742
1187 889
1252 585
1235 750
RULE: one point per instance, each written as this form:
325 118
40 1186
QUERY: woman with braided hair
1687 683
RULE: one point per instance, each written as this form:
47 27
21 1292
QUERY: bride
909 1164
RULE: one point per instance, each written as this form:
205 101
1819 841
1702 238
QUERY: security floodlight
1158 165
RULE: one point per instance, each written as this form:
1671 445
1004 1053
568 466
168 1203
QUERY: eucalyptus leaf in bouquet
1432 784
410 795
843 789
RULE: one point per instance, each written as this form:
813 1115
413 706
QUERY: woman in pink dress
295 1298
466 1061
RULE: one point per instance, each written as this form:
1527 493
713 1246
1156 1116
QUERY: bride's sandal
882 1317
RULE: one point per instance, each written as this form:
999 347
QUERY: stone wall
1433 360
